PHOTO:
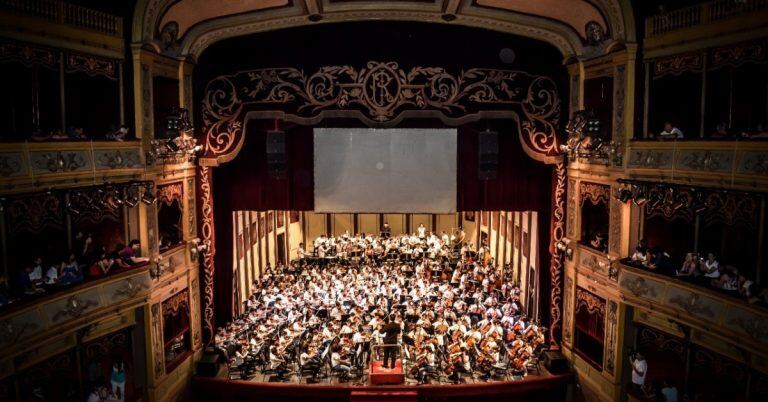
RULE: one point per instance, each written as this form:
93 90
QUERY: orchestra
445 304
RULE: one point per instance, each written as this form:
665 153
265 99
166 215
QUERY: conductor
391 330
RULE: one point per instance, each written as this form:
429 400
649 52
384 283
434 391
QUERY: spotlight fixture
699 205
131 196
72 204
656 198
639 197
624 195
177 145
149 196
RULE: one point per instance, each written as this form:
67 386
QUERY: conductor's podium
381 375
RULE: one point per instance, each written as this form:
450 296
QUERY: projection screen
385 170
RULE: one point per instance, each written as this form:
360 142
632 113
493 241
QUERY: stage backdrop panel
385 170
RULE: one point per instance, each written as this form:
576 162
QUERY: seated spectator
100 267
746 286
639 255
36 276
5 291
119 134
670 132
710 268
128 254
668 392
70 271
728 279
721 131
76 133
25 284
598 242
52 276
84 246
689 266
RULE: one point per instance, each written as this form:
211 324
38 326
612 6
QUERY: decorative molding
129 290
158 350
638 287
595 193
611 336
732 209
650 159
11 164
756 328
207 234
568 311
74 308
619 92
754 162
29 55
678 64
571 214
381 92
117 159
195 312
692 304
191 209
593 303
152 244
668 207
614 226
705 160
146 102
10 332
91 65
32 214
738 54
60 161
168 193
174 304
556 262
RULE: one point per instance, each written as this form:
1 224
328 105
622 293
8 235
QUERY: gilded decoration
117 159
130 289
707 161
651 159
674 204
157 340
10 333
74 308
611 336
619 90
91 65
205 211
168 193
592 303
754 327
754 163
615 220
568 310
678 64
692 304
595 193
195 309
556 262
736 55
638 287
571 215
32 214
58 161
382 92
152 228
176 303
190 190
732 209
11 164
29 55
93 215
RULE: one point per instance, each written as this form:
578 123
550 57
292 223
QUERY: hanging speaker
488 157
276 160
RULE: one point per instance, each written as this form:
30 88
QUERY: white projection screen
385 170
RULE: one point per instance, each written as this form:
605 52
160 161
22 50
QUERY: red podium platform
381 375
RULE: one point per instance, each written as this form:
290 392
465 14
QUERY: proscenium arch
617 15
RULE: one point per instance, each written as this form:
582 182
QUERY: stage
541 387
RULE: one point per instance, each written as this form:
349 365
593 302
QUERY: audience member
670 132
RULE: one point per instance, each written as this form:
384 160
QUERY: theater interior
369 200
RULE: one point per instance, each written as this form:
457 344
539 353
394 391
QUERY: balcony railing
69 14
717 10
694 305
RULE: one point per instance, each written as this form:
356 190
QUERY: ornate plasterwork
754 162
611 336
207 234
195 313
738 54
91 65
60 161
117 159
11 164
678 64
619 101
168 193
638 287
568 311
157 340
650 159
692 304
614 225
589 301
595 193
10 332
32 214
556 261
191 209
129 290
382 92
571 215
732 209
705 160
74 308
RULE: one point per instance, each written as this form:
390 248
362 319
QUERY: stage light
699 205
656 198
131 196
639 197
149 196
624 194
72 206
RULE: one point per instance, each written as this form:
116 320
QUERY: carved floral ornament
638 287
692 304
592 303
74 308
130 289
595 193
168 193
10 332
381 93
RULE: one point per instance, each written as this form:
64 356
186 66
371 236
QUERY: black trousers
390 353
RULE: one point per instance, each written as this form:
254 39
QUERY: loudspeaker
488 157
276 161
554 361
208 366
